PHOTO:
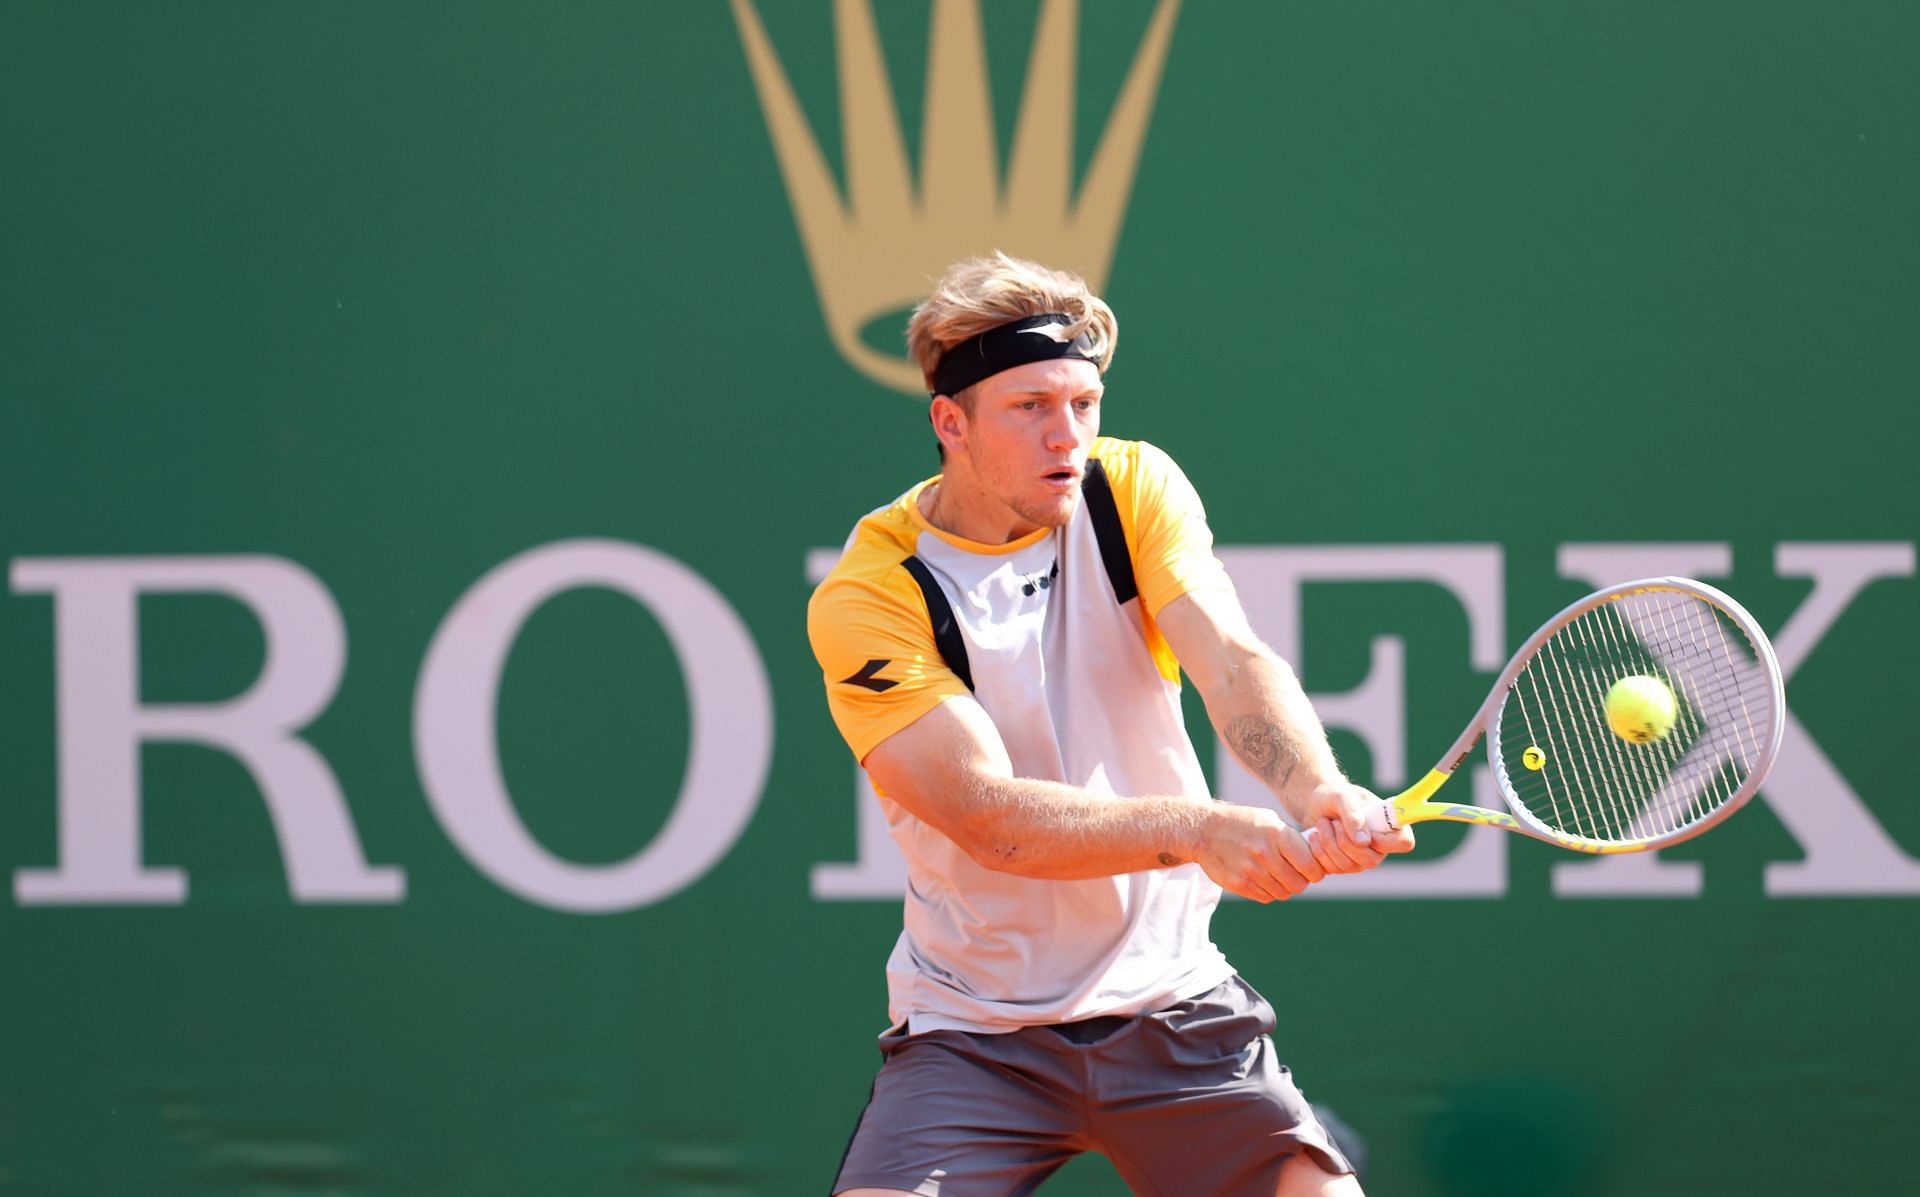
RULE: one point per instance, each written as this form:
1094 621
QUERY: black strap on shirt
1107 531
946 629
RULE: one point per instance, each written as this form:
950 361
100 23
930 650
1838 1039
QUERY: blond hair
982 293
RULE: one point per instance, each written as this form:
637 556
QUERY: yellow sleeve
874 642
1172 544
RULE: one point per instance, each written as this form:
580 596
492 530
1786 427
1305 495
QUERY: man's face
1028 436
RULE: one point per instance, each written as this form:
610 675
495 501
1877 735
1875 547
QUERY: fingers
1292 858
1399 840
1257 883
1251 852
1319 837
1380 832
1353 808
1346 854
1279 868
1352 831
1279 862
1249 885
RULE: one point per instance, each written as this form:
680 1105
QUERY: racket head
1564 772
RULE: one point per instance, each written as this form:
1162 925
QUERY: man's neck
953 507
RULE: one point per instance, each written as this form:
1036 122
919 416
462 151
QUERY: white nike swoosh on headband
1050 331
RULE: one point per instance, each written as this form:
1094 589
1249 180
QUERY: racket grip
1380 820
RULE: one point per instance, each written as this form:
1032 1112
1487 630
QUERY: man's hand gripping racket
1638 717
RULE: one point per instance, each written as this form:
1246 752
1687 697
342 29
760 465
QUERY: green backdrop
391 295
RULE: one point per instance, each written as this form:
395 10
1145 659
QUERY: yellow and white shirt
1054 636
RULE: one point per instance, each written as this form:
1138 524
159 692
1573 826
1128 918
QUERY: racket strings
1572 751
1628 775
1668 808
1711 692
1649 767
1690 776
1589 777
1680 806
1731 746
1598 786
1538 735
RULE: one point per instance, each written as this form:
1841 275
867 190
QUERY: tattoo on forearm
1264 748
1170 860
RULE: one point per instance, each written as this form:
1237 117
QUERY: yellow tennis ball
1640 709
1533 758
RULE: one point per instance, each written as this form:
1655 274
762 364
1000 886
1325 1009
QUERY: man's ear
949 421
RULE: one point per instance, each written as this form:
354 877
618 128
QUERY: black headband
1029 339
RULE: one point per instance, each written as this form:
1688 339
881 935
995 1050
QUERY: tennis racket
1568 777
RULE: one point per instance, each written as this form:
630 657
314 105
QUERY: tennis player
1002 648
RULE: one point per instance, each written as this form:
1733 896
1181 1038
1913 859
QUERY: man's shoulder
1130 462
868 624
869 562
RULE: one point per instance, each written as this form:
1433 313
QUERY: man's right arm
951 770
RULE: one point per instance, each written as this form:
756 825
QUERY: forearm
1263 716
1059 832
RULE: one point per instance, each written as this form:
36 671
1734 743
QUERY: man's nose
1063 431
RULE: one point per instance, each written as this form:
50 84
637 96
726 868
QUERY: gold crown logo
878 251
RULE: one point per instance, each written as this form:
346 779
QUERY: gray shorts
1189 1101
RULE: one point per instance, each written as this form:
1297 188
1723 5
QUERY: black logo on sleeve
878 685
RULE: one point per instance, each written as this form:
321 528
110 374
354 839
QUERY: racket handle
1381 820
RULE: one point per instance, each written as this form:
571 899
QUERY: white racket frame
1413 805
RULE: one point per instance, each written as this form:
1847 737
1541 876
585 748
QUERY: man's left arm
1256 705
